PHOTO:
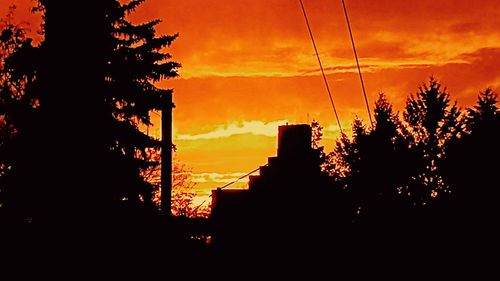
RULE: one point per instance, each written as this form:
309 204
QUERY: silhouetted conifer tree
471 166
317 134
364 163
431 125
485 113
101 79
336 163
136 62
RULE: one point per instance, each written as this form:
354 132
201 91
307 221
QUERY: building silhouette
286 203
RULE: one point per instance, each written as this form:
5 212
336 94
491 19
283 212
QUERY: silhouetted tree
136 63
484 114
385 155
182 186
336 163
317 134
104 85
363 164
341 162
431 125
19 107
392 163
386 120
344 165
357 149
471 164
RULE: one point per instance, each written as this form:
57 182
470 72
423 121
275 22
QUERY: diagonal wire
228 184
357 62
242 177
321 66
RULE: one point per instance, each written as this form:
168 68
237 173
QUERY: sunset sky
249 66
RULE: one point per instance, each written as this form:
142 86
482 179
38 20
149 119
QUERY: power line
357 62
228 184
320 65
236 180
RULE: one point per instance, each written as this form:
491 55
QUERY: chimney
166 154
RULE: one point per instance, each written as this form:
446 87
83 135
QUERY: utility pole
166 154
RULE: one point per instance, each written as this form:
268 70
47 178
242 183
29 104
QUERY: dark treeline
434 164
419 186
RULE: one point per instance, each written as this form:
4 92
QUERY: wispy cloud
255 127
332 131
221 178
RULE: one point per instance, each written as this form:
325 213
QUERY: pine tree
470 165
104 86
480 150
484 113
385 148
372 155
335 163
386 120
431 125
136 63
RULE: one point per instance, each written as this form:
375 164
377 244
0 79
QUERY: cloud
337 69
479 55
332 131
367 68
218 177
269 38
268 129
333 128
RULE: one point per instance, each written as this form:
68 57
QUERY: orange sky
249 65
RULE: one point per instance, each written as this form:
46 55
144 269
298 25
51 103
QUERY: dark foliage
19 106
104 90
136 61
422 169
